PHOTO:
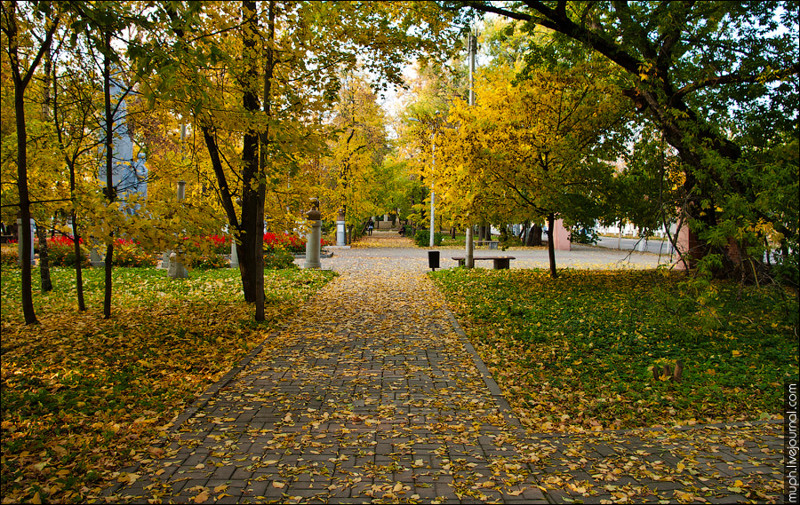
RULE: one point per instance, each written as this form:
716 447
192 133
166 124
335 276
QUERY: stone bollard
95 259
234 255
312 244
176 269
165 261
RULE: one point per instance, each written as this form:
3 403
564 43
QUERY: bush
278 259
222 244
209 261
9 256
128 253
292 243
423 238
61 252
584 236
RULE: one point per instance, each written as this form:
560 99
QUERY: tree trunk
44 260
110 190
551 251
44 257
535 233
24 207
20 84
73 213
78 253
251 262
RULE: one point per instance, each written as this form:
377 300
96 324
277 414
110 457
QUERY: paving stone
378 378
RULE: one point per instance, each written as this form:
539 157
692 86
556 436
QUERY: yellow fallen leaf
220 488
279 485
202 497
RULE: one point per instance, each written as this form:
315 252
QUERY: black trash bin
433 259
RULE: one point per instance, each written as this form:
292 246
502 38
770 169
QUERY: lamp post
433 195
468 244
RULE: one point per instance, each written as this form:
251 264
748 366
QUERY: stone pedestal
312 244
341 231
164 261
234 255
176 269
95 259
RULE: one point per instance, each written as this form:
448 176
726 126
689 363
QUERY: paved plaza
374 394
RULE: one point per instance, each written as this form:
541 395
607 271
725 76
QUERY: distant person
402 230
370 226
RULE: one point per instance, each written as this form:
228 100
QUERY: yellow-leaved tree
356 154
537 149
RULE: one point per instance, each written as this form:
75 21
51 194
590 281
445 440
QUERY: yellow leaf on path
279 485
681 467
738 483
36 499
202 497
220 488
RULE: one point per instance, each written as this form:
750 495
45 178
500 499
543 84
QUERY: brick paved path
372 394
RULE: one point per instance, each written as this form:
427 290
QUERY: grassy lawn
578 353
83 396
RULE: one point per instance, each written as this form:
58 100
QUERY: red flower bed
291 243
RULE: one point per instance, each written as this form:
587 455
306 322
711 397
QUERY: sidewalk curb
494 389
202 400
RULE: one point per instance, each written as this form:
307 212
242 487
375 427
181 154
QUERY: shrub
61 252
128 253
209 261
292 243
222 244
9 256
278 259
584 236
423 238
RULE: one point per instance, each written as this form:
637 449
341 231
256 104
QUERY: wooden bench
499 262
491 243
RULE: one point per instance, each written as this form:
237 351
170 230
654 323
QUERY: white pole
433 196
470 259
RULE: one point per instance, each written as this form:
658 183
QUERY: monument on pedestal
314 235
340 229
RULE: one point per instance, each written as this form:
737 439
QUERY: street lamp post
433 195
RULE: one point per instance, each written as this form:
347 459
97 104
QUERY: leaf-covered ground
83 396
577 353
383 239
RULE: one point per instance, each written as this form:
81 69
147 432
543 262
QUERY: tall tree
537 150
24 56
699 70
357 149
215 61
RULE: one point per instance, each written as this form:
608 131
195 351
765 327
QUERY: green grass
577 353
83 396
